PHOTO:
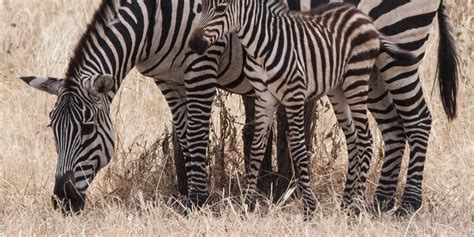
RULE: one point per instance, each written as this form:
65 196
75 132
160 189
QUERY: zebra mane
272 2
325 7
102 17
278 7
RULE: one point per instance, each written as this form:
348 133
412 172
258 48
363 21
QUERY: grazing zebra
152 36
294 57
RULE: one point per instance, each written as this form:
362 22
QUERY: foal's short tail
402 56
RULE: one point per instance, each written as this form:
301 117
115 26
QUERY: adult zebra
294 57
153 36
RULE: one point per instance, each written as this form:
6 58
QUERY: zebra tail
404 57
448 65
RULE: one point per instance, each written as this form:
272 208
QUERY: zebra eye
221 8
199 8
87 128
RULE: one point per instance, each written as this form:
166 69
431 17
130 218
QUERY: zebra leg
299 154
344 118
176 98
356 94
389 122
407 93
200 84
265 107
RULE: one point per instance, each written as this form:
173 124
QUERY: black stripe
386 7
408 23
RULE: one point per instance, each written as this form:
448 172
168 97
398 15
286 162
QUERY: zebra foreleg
200 84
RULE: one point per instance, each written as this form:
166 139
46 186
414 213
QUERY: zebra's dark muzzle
66 197
197 43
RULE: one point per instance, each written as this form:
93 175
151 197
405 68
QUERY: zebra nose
197 43
66 197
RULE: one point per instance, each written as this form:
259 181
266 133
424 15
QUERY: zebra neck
259 26
113 42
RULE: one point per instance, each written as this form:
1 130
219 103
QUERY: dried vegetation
136 193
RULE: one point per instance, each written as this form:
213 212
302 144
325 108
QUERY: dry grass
37 37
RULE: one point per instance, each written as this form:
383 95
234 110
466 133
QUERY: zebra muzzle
66 197
198 44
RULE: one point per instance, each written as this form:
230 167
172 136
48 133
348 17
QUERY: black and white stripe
294 57
408 23
153 36
113 43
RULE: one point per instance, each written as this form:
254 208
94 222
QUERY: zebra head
218 19
83 134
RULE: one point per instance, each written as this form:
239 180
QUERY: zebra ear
48 84
101 84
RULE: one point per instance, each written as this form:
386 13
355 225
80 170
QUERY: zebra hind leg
407 94
300 156
355 90
418 130
343 115
264 112
390 124
365 151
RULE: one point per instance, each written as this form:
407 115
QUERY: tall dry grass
37 38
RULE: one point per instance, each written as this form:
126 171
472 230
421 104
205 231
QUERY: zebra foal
295 57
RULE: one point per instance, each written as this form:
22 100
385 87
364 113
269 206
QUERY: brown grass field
132 195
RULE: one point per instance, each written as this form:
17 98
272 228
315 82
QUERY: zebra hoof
403 212
308 215
249 205
353 208
198 199
355 211
411 202
382 204
308 209
407 209
194 202
243 215
345 203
